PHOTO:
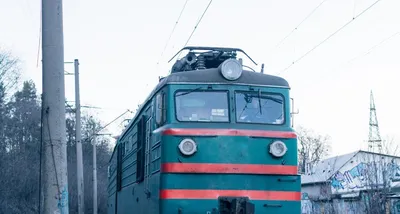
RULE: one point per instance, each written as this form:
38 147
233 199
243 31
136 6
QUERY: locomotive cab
213 138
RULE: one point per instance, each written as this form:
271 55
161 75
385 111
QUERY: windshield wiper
188 92
268 98
245 107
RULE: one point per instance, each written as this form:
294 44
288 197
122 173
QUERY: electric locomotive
212 137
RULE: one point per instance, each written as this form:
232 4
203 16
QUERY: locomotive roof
214 76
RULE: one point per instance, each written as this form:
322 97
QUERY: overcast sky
119 43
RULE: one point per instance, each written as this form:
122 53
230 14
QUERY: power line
102 128
296 28
195 27
327 38
94 107
368 51
69 106
371 49
173 30
40 36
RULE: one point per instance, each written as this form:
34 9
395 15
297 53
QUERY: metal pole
55 174
94 176
78 135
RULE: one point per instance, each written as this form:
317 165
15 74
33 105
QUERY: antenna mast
374 137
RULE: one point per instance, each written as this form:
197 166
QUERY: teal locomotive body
211 138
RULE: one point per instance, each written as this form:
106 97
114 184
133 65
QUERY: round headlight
278 149
231 69
187 147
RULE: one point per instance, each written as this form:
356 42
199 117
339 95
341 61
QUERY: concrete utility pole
95 171
55 174
94 176
78 136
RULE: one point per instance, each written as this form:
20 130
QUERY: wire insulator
201 64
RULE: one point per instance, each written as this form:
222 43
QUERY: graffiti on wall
394 171
341 206
351 179
304 196
306 204
356 177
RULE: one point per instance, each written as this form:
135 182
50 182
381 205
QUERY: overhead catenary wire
88 106
375 46
296 28
28 6
195 27
40 36
69 106
371 49
327 38
172 32
103 127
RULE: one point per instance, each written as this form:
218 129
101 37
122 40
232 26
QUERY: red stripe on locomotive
229 132
214 194
228 168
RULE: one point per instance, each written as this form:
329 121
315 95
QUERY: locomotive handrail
190 48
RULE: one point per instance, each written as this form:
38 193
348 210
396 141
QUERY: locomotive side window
141 149
258 107
202 106
160 109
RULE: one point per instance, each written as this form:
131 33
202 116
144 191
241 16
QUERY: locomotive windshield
257 107
202 106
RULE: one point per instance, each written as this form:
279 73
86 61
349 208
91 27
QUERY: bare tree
380 174
9 71
312 147
321 198
89 123
389 146
20 154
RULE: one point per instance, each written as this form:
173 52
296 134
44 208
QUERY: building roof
325 169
